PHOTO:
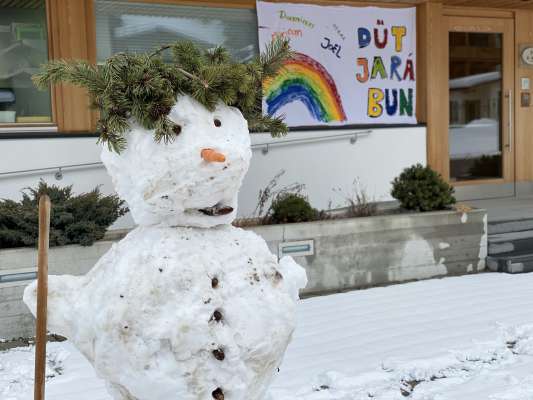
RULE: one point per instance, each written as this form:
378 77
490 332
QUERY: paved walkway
506 209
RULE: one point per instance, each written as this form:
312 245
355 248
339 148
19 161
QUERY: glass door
480 99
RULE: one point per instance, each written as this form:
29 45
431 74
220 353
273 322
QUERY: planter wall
348 254
362 252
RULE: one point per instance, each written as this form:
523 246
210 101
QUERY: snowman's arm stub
60 302
294 276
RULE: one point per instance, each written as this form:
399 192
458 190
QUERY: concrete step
514 264
506 226
510 243
510 246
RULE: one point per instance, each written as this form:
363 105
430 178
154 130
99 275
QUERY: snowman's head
192 181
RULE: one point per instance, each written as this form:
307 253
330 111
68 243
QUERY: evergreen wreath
144 87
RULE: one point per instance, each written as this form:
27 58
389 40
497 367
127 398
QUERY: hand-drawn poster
352 65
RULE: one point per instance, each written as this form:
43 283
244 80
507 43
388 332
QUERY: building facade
473 74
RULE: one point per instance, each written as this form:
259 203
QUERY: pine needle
143 88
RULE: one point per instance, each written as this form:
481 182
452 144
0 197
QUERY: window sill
16 128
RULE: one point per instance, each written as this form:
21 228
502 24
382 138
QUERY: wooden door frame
489 25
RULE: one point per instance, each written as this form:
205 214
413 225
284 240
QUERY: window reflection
475 88
140 27
23 48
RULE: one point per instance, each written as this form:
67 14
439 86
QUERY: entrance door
480 130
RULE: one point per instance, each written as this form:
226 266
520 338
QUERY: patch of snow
483 246
417 262
17 369
443 339
444 245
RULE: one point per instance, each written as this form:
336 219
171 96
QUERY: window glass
23 48
475 125
123 26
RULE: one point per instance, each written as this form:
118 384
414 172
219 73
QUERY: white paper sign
353 65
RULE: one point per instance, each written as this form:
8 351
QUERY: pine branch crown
142 87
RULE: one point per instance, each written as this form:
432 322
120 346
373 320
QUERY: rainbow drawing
305 79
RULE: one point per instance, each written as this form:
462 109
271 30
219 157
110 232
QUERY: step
506 226
510 242
514 264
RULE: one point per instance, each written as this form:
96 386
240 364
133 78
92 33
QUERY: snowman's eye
217 122
177 129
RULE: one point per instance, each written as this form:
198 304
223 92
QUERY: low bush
291 207
420 188
75 219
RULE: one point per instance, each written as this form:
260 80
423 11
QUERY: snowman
186 306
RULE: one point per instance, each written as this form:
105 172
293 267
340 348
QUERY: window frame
38 126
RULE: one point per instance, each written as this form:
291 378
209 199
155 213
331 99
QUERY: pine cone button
218 394
217 316
219 354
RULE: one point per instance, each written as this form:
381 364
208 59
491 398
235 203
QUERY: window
123 26
23 48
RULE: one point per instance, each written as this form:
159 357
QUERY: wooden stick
42 297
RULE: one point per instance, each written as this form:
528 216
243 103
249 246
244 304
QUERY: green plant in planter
291 207
80 219
420 188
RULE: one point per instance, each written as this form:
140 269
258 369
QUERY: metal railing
265 148
352 136
59 169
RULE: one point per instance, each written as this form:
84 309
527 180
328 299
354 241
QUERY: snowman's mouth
216 210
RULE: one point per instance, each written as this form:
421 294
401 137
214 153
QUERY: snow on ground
16 369
465 338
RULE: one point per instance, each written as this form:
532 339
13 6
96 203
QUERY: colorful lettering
363 36
391 107
380 44
378 68
409 70
375 97
395 63
362 77
406 102
398 32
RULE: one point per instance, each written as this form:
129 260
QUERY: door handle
509 144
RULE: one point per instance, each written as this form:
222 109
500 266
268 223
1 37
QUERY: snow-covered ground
466 338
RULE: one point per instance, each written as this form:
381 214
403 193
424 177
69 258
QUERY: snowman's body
186 306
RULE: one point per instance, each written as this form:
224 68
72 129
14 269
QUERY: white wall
329 161
25 154
374 160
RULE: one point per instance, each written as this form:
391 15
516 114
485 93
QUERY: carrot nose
211 155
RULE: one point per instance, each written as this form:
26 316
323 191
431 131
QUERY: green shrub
291 207
422 189
80 219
